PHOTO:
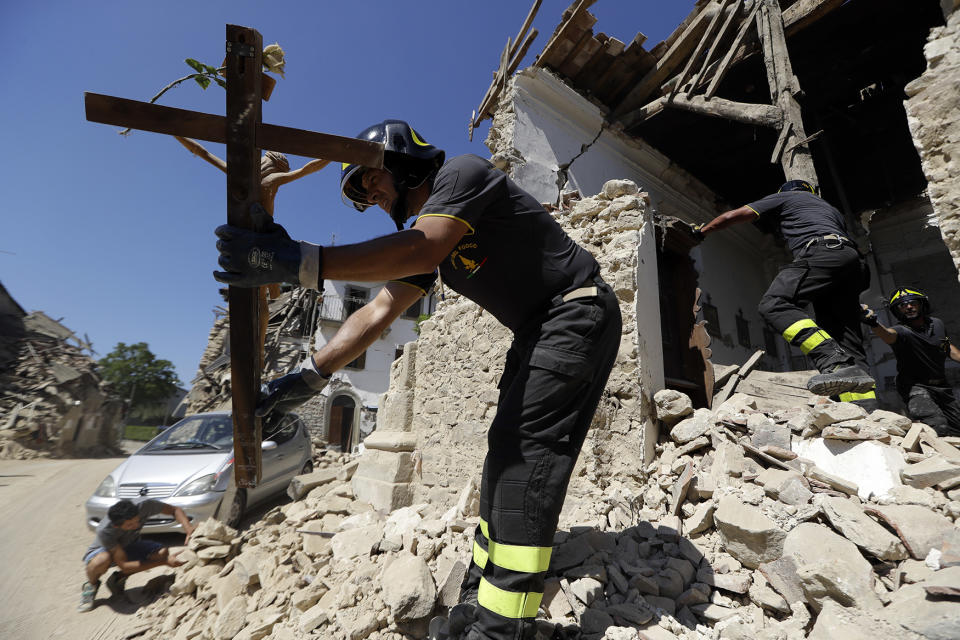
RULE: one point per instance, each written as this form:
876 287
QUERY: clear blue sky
115 235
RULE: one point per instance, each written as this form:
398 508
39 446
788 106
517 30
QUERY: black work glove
696 230
255 258
868 317
288 392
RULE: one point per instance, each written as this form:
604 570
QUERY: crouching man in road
118 543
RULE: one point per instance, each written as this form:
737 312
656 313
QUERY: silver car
190 465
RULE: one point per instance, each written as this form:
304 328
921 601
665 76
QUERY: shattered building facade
301 322
860 89
52 400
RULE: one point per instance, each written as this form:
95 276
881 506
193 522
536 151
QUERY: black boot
841 378
456 625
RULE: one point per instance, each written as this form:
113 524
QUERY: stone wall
932 107
444 392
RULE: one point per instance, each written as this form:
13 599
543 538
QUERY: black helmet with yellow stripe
901 295
798 185
406 155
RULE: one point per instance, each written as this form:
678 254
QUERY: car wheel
237 506
307 467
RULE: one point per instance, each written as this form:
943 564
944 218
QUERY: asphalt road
44 538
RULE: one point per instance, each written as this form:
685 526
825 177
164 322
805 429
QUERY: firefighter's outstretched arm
728 219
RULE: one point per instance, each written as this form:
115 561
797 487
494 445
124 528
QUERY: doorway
340 425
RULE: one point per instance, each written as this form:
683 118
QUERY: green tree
138 376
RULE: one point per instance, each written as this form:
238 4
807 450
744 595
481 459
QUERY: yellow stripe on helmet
904 292
417 140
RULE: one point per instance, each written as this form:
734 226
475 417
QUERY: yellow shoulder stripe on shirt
445 215
410 284
752 209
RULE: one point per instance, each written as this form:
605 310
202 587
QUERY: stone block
748 535
386 466
408 588
382 496
830 567
672 406
850 520
395 441
934 470
872 466
920 528
300 486
395 412
691 428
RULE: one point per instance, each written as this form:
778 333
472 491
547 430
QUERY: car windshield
202 432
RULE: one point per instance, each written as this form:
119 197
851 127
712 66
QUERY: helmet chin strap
399 213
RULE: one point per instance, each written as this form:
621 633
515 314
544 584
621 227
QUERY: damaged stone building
870 111
52 400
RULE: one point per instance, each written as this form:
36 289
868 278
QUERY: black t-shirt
514 257
921 353
799 216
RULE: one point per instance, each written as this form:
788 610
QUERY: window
353 299
743 329
413 311
712 316
359 363
770 342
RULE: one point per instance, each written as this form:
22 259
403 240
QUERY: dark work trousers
935 406
830 277
556 370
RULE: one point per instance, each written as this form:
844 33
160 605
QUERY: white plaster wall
552 125
374 379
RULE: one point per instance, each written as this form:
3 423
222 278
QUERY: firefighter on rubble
921 345
828 272
492 242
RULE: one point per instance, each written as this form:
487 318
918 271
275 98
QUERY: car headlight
107 488
202 484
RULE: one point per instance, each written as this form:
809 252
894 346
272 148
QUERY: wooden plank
591 74
797 163
212 128
728 58
579 55
688 68
523 29
244 99
568 29
522 52
731 18
672 59
763 115
796 18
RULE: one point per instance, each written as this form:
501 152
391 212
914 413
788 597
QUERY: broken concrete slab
748 535
852 522
836 622
934 470
830 567
873 467
919 528
910 607
825 415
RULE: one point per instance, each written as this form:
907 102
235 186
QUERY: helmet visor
352 192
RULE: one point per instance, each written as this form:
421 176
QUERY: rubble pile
289 333
50 390
815 521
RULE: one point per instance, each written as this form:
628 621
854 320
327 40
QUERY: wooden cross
244 136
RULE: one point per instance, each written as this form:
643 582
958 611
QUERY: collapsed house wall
52 400
432 425
550 139
934 99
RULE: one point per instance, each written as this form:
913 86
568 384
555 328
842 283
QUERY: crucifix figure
274 172
244 135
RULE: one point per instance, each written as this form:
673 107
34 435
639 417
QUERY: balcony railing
337 308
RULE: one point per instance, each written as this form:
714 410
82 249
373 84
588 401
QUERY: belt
582 292
831 240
